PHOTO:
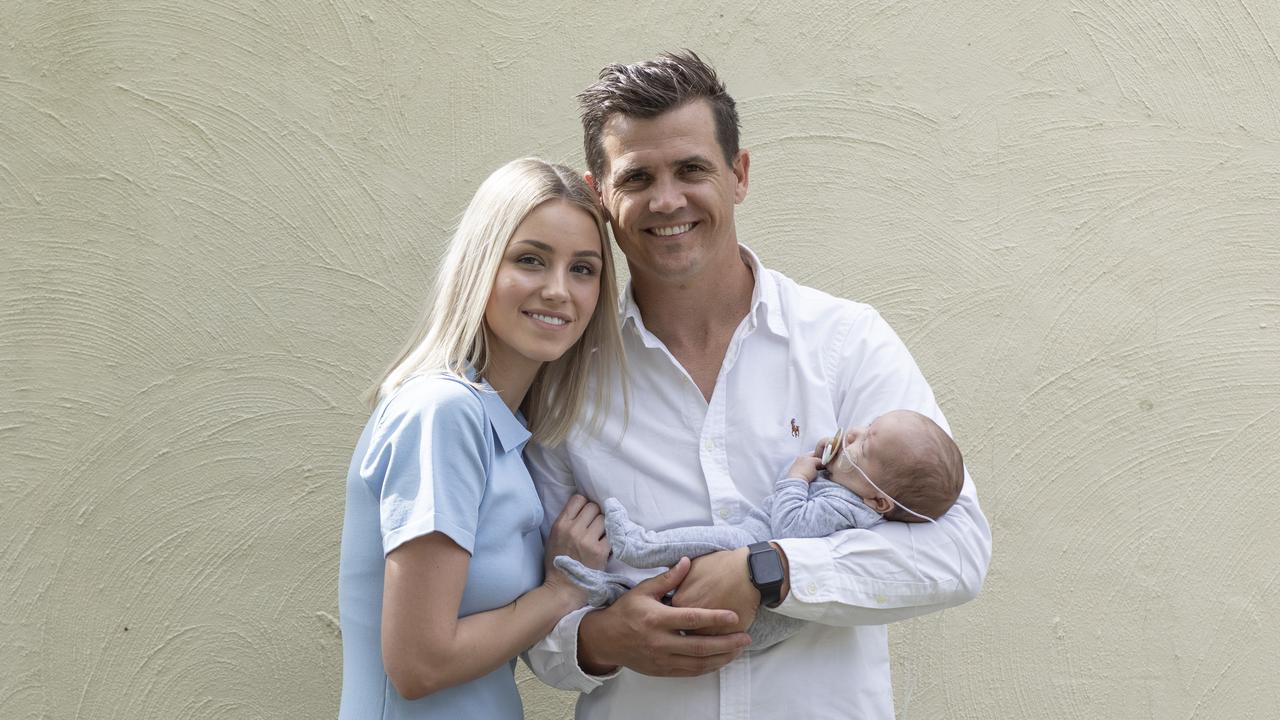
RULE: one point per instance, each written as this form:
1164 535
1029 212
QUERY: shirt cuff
810 576
555 659
824 589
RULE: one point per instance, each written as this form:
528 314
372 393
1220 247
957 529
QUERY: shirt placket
715 463
727 507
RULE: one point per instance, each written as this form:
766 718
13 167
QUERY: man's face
670 194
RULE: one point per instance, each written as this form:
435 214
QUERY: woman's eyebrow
536 243
548 249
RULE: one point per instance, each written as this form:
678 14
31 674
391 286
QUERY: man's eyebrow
627 169
698 159
624 170
547 248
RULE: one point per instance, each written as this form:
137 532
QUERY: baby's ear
880 503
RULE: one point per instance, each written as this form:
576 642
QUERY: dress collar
510 429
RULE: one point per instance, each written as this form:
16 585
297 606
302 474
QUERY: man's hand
640 632
720 580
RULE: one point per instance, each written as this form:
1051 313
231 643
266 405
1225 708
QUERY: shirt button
724 513
882 599
811 587
710 444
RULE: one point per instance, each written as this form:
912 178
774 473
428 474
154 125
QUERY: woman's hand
578 533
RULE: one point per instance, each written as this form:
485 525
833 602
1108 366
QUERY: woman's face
547 285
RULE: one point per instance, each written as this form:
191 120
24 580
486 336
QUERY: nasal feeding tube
838 446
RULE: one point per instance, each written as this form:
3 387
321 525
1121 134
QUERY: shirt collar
765 300
765 297
509 428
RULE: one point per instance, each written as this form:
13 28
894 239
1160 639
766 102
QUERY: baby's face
866 447
859 449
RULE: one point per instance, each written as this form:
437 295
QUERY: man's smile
670 230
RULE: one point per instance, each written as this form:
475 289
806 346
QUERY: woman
442 529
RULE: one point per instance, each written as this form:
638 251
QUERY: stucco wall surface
218 219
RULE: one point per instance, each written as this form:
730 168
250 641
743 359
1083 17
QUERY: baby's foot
602 587
593 581
620 531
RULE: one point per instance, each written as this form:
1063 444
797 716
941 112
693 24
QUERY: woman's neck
511 378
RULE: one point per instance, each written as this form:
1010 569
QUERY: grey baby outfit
796 509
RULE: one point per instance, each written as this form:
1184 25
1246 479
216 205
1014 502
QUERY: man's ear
879 503
595 183
741 166
591 182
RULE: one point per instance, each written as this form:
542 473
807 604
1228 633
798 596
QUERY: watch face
766 567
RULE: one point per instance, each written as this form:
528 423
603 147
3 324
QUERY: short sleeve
427 463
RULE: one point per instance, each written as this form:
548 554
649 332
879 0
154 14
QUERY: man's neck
684 314
696 319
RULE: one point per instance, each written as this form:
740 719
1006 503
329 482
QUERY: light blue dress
437 455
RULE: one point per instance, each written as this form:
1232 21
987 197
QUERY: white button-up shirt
800 364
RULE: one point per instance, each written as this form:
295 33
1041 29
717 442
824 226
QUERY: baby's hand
806 468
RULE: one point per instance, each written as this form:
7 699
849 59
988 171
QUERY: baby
900 467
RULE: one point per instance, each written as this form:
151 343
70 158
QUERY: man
732 371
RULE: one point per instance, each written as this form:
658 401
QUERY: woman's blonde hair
452 335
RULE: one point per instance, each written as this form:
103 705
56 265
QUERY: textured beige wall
217 220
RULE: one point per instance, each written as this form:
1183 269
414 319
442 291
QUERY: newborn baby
901 467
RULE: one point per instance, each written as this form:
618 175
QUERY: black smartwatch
764 567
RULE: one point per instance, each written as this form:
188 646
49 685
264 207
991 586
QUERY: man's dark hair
646 90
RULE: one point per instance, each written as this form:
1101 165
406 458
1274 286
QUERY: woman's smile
547 285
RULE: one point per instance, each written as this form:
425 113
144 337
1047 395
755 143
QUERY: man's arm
638 631
887 573
641 633
892 571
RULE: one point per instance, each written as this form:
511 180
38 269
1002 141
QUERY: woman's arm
425 645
